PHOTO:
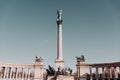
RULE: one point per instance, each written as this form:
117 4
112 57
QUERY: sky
28 28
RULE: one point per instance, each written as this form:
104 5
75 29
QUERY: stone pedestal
59 64
51 78
81 69
61 77
38 71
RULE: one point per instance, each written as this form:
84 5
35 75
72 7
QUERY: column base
59 64
38 79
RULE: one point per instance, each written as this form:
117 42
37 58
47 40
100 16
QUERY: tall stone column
59 61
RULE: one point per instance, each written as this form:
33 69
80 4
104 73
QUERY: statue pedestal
38 71
59 64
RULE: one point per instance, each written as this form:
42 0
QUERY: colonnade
101 71
16 73
21 71
107 72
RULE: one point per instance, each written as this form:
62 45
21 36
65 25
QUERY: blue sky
90 27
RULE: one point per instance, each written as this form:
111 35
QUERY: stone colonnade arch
99 71
9 71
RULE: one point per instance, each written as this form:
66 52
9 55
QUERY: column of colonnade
108 72
10 73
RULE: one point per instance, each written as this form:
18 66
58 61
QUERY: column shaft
78 71
28 73
16 73
116 73
90 73
3 73
103 75
110 72
9 72
97 73
59 51
22 73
